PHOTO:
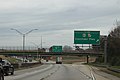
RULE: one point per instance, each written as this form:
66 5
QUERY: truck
58 60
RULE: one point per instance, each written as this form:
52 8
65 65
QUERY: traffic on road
52 71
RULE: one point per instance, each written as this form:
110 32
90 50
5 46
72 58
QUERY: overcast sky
55 20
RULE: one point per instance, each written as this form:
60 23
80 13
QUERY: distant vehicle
8 68
46 60
58 60
1 72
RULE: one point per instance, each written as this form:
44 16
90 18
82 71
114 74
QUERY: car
7 67
1 72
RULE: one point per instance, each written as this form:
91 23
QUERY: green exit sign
56 48
86 37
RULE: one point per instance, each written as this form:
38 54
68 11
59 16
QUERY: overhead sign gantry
86 37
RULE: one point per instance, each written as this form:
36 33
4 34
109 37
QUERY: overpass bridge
36 52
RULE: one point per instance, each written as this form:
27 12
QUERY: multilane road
53 71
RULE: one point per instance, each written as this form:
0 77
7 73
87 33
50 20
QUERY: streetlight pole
37 49
23 42
23 34
41 42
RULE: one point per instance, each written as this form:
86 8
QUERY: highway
51 71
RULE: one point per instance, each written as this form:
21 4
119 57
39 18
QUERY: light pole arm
17 31
30 31
23 36
35 44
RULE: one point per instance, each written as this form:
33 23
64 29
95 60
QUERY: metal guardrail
114 69
108 67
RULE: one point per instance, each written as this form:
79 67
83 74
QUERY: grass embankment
70 60
118 67
11 59
74 59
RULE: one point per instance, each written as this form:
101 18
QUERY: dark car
8 68
1 72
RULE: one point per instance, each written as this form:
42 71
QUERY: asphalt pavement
68 72
52 71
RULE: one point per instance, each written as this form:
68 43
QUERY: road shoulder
96 72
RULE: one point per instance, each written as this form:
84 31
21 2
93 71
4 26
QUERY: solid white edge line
92 75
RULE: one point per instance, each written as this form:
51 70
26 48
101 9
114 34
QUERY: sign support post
87 37
105 50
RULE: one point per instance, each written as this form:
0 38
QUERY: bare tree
67 48
114 45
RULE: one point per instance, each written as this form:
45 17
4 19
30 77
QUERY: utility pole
41 42
23 42
105 50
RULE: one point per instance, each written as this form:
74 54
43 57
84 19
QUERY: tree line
113 48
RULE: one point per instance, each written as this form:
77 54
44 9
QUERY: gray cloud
52 16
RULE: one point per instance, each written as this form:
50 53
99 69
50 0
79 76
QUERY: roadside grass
22 68
72 59
118 67
11 59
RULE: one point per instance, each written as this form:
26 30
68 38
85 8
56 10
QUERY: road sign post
105 50
57 49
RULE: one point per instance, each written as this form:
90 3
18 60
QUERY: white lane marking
58 67
29 73
87 76
92 75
